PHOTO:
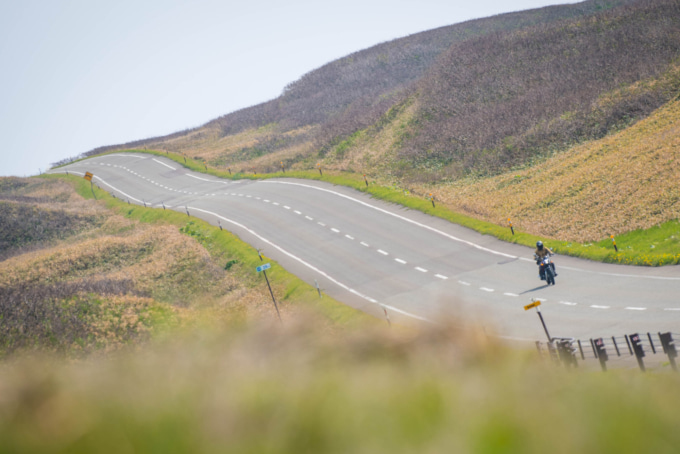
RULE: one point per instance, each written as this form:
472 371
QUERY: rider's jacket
541 253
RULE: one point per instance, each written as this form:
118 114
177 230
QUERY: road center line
163 164
441 276
383 252
439 232
312 267
422 270
486 289
199 178
636 308
595 306
403 262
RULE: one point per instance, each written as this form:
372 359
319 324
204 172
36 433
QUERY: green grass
229 248
294 389
634 247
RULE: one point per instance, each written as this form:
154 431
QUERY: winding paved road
368 253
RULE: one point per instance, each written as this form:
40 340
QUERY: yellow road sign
534 304
88 176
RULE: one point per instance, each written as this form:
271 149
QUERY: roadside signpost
263 269
88 176
536 303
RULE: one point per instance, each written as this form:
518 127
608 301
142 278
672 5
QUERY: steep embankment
502 100
623 182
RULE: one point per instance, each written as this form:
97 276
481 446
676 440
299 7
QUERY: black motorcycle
546 269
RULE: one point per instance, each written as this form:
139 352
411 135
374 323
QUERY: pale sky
79 74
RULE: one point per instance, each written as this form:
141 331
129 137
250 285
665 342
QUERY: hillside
623 182
344 96
501 100
77 278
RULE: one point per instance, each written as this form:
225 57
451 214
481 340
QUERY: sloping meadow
617 185
77 278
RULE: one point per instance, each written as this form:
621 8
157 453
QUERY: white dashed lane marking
335 230
349 237
636 308
403 262
364 244
567 303
383 252
422 270
510 294
463 283
486 289
440 276
596 306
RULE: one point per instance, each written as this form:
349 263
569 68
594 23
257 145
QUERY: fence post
651 342
669 348
616 347
636 343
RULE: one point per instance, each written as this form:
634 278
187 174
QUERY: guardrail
568 351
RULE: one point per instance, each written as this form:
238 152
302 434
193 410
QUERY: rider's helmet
539 245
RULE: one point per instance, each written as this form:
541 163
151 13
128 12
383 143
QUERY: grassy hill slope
500 100
623 182
344 96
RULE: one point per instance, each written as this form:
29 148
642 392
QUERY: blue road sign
266 266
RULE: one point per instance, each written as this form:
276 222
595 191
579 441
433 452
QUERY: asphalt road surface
370 254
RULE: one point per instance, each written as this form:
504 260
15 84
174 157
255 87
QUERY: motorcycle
546 269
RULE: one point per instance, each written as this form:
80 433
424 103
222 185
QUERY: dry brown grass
162 269
374 150
220 151
623 182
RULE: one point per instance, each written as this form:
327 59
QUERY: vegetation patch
298 389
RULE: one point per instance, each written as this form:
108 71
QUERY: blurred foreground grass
267 388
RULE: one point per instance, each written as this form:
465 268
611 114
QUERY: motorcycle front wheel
549 276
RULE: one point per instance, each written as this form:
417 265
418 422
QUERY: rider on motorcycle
540 253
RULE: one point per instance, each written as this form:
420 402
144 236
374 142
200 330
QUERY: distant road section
371 254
